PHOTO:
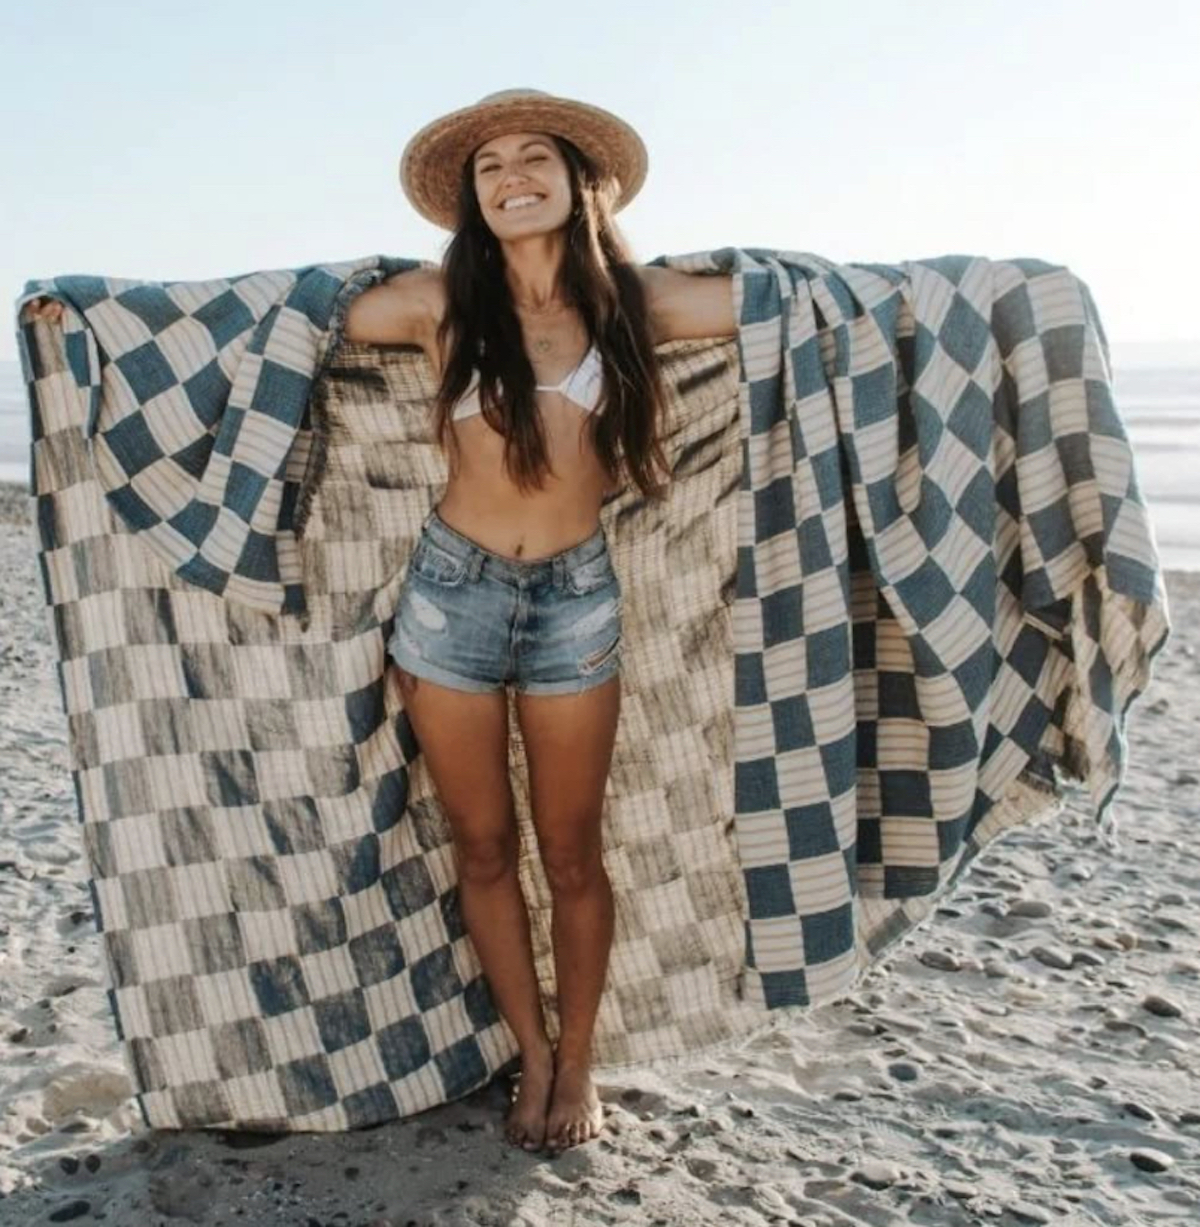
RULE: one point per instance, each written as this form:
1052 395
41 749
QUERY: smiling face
522 184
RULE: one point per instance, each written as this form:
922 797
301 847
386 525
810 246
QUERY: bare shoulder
403 310
684 306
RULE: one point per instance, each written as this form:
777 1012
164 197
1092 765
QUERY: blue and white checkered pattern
945 572
198 413
939 584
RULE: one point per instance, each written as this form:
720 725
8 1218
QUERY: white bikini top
582 386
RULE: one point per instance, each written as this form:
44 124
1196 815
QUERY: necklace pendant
543 345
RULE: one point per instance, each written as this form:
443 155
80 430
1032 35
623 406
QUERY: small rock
69 1164
1052 956
904 1071
964 1192
994 969
1136 1109
876 1174
1162 1006
1085 958
1172 899
1185 779
1027 1212
1031 909
939 960
1149 1160
72 1210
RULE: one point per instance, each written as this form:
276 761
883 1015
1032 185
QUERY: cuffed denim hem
443 677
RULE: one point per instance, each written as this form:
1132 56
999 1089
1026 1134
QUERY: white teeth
519 202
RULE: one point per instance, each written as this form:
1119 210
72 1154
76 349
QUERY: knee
572 871
486 859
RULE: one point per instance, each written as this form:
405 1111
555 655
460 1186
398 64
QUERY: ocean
1158 395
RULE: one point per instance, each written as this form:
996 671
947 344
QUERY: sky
164 142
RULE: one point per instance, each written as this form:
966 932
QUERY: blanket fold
904 587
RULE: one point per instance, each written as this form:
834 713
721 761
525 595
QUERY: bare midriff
484 504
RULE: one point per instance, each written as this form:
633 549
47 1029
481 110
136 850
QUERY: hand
47 309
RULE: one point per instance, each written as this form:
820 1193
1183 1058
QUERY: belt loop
476 564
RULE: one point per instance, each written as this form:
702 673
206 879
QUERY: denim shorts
474 620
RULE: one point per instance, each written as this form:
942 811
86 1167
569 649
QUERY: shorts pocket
591 575
438 566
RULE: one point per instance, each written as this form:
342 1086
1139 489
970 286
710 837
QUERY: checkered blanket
903 586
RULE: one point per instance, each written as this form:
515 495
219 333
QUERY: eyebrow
534 140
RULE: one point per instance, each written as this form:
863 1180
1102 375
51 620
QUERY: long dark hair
481 330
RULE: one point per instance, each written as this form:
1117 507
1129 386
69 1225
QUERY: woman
541 334
511 578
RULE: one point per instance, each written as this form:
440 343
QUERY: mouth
529 200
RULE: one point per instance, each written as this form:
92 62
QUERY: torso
482 502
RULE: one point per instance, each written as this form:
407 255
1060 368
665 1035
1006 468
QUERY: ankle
572 1058
538 1053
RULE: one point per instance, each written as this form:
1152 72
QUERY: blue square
226 317
905 794
782 619
342 1020
152 305
971 420
926 592
839 759
435 978
793 723
281 393
408 887
769 891
755 786
132 444
783 988
147 371
964 333
278 985
403 1048
319 926
313 296
356 862
376 955
207 392
874 396
774 509
815 554
827 935
306 1085
462 1067
827 655
810 831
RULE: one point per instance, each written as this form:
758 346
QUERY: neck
531 268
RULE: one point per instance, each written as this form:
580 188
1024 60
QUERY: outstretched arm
688 305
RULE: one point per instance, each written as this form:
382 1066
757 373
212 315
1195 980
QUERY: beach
1027 1055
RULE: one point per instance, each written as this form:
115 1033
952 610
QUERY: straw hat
432 160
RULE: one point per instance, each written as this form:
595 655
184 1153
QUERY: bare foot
575 1114
525 1125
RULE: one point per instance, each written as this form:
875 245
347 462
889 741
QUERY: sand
1028 1055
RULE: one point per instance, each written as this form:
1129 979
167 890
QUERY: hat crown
520 92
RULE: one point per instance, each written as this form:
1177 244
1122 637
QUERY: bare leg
569 741
464 743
